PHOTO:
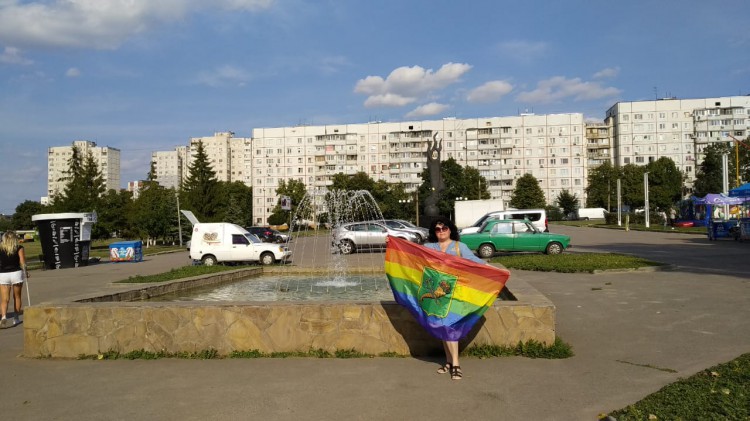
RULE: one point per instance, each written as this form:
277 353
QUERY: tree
201 189
155 212
601 191
527 194
237 205
84 184
632 185
568 202
664 183
459 182
21 219
296 191
358 181
708 175
112 214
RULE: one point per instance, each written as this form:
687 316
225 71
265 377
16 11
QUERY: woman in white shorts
12 271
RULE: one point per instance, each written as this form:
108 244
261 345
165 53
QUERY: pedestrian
444 237
672 216
12 274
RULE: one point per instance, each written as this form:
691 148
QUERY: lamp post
645 199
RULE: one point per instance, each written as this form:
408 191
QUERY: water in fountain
316 218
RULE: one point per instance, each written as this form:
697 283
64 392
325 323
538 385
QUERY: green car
513 235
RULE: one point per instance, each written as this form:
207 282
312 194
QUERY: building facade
168 167
680 129
107 160
225 154
550 147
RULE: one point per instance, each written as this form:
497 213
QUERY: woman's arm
22 261
466 253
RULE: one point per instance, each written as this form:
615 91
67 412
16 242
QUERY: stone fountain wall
68 330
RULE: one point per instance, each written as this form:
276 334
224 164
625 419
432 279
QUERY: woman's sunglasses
442 229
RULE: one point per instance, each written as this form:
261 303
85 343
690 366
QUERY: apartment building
107 159
644 131
168 166
551 147
598 145
225 154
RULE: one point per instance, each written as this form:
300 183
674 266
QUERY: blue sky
144 75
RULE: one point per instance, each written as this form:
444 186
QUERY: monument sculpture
434 147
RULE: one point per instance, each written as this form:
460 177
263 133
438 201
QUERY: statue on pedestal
436 179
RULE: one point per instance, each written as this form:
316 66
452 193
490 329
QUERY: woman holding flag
443 285
444 237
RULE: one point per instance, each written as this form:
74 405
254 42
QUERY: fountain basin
92 325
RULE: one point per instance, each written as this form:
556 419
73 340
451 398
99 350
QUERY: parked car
536 216
508 235
423 233
353 236
267 235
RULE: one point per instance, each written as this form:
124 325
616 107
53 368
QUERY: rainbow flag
447 294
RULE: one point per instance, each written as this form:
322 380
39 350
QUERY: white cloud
96 23
12 55
73 72
489 92
558 88
607 73
427 110
523 51
226 75
406 84
388 100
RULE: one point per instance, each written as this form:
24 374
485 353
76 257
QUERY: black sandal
445 369
456 373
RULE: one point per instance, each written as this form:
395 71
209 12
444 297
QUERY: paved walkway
626 329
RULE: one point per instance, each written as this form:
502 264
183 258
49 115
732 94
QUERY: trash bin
65 238
126 251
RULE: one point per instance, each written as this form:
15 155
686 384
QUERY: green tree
112 214
708 175
567 201
154 213
527 194
84 184
664 183
358 181
296 191
632 185
21 219
601 191
237 203
459 182
200 191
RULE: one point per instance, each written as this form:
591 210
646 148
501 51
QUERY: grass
530 349
572 262
179 273
721 392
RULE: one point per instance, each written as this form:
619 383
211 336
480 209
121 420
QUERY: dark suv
267 235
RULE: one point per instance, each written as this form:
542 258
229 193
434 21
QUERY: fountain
333 320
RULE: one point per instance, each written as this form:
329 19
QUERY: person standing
12 272
444 237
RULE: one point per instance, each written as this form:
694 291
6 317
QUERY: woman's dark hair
445 222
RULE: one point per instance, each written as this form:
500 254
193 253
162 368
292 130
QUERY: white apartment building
168 167
224 152
550 147
107 159
644 131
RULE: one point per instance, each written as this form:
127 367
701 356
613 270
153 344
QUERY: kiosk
65 238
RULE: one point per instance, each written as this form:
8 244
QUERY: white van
589 213
538 217
216 242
